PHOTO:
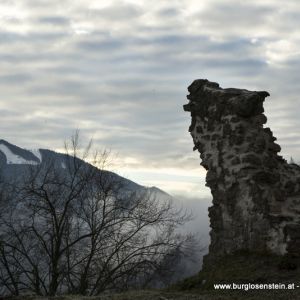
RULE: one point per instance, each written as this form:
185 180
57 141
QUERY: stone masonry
256 193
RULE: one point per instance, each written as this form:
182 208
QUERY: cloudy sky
118 71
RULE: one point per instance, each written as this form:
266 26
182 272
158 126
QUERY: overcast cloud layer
118 70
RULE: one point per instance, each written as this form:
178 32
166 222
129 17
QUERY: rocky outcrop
256 193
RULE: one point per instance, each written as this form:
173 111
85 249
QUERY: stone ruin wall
256 193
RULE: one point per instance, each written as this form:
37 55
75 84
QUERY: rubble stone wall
256 193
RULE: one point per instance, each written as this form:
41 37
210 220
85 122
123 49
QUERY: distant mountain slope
14 162
17 155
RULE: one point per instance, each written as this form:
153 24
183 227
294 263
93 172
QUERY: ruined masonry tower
256 193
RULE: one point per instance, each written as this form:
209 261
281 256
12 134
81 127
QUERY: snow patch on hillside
15 159
37 153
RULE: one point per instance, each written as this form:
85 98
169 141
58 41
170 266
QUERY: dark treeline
81 231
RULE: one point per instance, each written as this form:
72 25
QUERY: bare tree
81 230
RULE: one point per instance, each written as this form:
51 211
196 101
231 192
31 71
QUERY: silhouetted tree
78 229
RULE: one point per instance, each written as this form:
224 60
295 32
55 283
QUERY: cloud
231 18
20 78
118 12
119 70
53 20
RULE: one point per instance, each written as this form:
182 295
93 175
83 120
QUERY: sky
119 72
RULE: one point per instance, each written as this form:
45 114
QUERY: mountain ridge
14 160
